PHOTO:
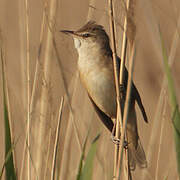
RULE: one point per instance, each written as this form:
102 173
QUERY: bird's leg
113 137
117 140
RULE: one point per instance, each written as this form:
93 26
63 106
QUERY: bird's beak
67 32
72 33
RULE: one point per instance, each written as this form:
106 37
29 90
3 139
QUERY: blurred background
32 43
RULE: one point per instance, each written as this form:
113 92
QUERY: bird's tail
136 153
137 156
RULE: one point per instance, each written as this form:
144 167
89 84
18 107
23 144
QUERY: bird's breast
97 76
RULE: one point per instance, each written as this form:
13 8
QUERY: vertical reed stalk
118 151
34 86
44 91
161 138
28 87
126 109
124 47
129 30
118 122
56 140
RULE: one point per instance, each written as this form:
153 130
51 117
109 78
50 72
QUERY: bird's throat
77 43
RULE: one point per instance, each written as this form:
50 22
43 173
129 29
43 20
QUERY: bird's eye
86 35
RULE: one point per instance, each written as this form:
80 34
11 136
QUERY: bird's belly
100 86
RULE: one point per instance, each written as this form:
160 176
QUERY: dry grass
118 122
46 73
57 140
129 30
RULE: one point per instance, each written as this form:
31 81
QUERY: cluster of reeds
129 37
32 170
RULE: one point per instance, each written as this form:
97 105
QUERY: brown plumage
95 66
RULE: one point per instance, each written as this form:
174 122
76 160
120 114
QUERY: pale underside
96 72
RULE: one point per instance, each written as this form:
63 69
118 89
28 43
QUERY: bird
95 66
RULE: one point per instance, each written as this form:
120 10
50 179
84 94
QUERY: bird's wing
137 97
104 118
135 94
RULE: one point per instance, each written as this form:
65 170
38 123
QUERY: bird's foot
121 88
116 141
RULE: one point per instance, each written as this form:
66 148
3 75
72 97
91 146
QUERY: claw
117 141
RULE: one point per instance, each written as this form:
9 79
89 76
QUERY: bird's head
91 34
